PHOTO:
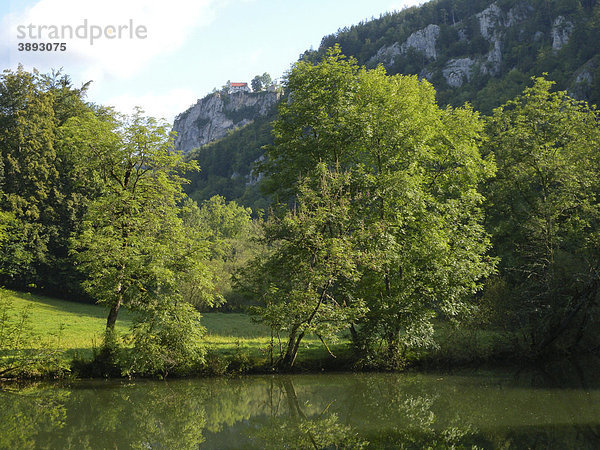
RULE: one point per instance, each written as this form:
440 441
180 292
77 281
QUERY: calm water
558 408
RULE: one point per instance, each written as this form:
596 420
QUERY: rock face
490 21
214 115
457 71
387 55
422 41
493 24
561 32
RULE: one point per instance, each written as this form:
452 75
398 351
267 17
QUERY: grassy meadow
235 342
78 327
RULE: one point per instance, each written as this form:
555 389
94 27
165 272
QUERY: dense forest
412 231
391 217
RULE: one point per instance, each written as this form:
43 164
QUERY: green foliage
133 246
411 206
303 282
261 82
544 214
166 339
26 141
317 124
231 238
42 189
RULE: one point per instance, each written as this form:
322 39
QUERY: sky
163 55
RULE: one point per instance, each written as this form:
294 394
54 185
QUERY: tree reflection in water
531 409
297 429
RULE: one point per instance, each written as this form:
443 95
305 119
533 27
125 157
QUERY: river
508 408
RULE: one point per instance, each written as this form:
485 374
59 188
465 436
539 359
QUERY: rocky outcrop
422 41
216 114
387 55
561 32
493 24
490 22
581 83
493 60
457 71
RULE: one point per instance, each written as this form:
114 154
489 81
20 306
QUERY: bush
166 341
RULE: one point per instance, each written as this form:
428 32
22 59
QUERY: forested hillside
481 52
226 165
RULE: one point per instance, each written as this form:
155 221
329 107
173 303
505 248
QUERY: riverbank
69 335
234 343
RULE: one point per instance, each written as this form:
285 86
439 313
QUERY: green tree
320 123
256 84
304 282
230 235
43 190
27 145
133 246
415 171
544 215
266 80
261 82
420 180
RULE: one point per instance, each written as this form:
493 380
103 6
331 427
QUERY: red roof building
238 87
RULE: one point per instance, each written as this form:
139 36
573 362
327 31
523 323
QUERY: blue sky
191 46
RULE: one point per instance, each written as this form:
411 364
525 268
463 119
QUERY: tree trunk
290 346
293 342
114 311
292 351
112 315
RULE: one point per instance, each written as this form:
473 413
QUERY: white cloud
168 25
165 105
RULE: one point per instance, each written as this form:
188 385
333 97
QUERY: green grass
228 334
78 326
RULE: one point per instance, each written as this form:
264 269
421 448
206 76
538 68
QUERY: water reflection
301 425
531 409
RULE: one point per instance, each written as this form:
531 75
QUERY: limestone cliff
484 38
213 116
